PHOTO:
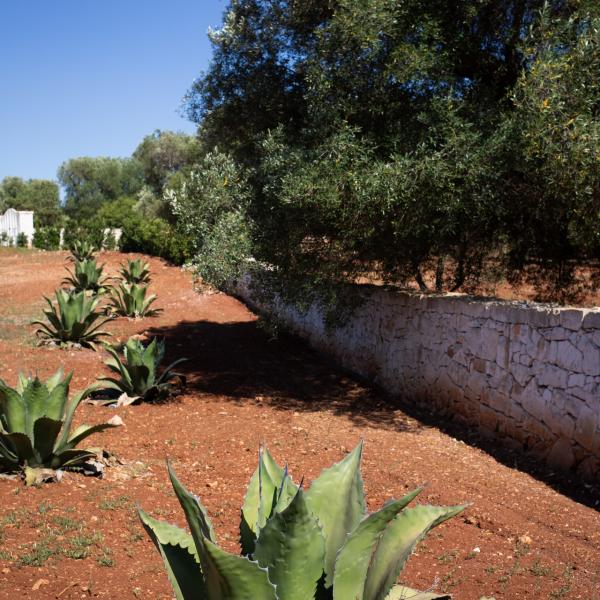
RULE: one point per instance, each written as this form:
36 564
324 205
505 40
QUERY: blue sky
93 77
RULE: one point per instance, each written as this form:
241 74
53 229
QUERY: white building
13 222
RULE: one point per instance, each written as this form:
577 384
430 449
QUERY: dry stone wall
527 373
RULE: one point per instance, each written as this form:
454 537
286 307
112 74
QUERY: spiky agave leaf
138 372
135 271
72 320
81 251
292 543
86 276
36 420
129 300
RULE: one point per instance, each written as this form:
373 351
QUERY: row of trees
420 140
101 192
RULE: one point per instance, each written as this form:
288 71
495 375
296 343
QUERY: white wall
527 373
13 222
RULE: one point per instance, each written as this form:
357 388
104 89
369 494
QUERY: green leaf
195 513
263 490
227 577
20 444
398 542
337 499
401 592
12 409
178 552
84 431
292 547
71 458
353 560
45 433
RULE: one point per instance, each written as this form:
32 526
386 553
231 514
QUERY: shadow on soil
238 361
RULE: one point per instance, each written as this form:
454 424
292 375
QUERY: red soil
521 538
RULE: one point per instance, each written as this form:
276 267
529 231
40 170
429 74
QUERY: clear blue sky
93 77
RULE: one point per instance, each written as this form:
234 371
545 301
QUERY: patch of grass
447 557
79 545
564 589
66 524
106 559
114 503
539 570
39 553
5 555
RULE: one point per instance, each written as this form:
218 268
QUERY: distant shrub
22 240
47 238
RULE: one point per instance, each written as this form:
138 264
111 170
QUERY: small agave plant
298 545
129 300
82 251
138 373
35 426
72 320
87 276
135 271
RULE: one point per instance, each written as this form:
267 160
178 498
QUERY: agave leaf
398 542
263 490
292 548
21 444
337 499
12 410
56 399
178 552
195 513
401 592
70 413
71 458
353 559
57 378
22 382
226 576
45 433
167 373
84 431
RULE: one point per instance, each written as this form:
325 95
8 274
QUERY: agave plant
87 275
73 320
35 425
138 373
296 544
129 300
82 251
136 271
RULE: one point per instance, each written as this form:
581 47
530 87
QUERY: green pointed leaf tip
337 499
397 544
292 547
354 558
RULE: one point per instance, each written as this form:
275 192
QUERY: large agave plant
296 544
81 251
138 373
129 300
87 275
35 425
135 271
72 320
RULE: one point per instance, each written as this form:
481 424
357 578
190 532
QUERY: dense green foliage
440 142
35 425
298 543
47 238
138 374
39 195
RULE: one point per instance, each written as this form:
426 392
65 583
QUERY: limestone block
571 318
521 373
589 468
591 359
568 357
591 320
555 333
586 428
576 380
551 376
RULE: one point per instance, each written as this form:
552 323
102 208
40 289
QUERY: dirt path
81 538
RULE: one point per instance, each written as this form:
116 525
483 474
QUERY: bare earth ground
81 538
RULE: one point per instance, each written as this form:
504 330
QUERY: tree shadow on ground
239 362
